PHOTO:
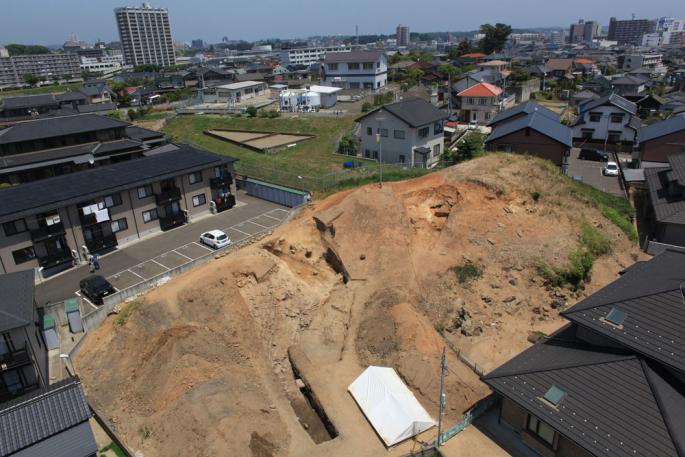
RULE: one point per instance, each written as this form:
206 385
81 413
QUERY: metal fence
471 415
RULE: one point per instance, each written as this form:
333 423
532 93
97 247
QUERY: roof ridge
572 310
50 390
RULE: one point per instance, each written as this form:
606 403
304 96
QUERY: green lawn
52 89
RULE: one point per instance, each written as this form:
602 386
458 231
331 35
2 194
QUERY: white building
104 64
607 120
356 70
409 132
307 100
236 92
309 56
676 33
145 35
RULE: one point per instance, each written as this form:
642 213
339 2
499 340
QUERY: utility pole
443 368
380 152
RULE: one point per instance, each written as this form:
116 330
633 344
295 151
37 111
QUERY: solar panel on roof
616 316
554 395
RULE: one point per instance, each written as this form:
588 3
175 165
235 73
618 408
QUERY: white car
473 125
611 169
215 238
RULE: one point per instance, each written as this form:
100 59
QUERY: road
164 250
591 172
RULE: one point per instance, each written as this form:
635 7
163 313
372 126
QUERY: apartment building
145 34
43 66
402 35
54 223
309 56
356 70
652 62
629 31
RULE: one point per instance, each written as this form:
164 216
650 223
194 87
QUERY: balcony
222 181
172 221
47 232
167 196
224 203
8 393
102 243
55 259
14 359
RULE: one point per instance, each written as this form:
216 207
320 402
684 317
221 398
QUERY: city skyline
188 21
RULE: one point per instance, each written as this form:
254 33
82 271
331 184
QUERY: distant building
145 35
402 35
576 32
652 62
197 44
356 70
308 56
675 34
48 67
558 37
584 31
629 31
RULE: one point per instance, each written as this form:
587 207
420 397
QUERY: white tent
394 412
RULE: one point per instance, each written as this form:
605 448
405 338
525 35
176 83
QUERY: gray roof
142 134
650 296
612 99
353 56
70 96
662 128
16 300
615 403
666 209
48 194
528 107
57 126
415 112
629 80
538 122
96 107
28 420
27 101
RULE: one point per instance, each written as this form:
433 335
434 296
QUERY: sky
54 21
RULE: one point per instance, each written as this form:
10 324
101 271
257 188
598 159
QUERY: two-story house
610 383
407 132
355 70
480 103
607 121
665 216
659 141
23 353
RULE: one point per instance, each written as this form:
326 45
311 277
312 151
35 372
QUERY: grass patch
154 116
126 312
114 448
574 274
467 271
616 209
626 225
596 242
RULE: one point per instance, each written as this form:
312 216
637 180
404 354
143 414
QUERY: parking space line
271 217
255 223
130 270
233 227
181 254
201 245
163 266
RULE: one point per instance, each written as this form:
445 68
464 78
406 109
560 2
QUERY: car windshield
611 166
221 237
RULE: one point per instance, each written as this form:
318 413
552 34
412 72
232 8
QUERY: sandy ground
205 363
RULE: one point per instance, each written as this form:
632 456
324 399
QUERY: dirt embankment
363 277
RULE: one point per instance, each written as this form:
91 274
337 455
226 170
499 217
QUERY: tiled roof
58 126
474 55
666 209
28 420
559 64
538 122
16 299
612 99
27 101
662 128
481 90
528 107
415 112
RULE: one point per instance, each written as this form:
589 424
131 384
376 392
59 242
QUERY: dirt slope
362 277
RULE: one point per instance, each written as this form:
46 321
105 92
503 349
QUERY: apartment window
119 225
145 191
617 118
369 131
482 101
487 115
383 132
353 66
199 200
333 66
399 134
402 158
368 65
614 137
470 101
150 215
367 154
423 132
587 134
437 128
195 178
110 201
541 430
595 117
23 255
14 227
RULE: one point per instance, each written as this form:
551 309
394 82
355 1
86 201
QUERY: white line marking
161 265
238 230
201 245
255 223
271 217
133 272
181 254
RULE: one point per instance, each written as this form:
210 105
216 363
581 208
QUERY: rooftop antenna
356 34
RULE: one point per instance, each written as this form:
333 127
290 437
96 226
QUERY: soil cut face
372 276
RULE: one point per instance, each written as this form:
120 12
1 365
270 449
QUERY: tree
453 53
251 111
519 75
414 76
495 37
450 69
470 148
465 47
30 79
24 49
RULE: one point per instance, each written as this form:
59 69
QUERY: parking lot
591 173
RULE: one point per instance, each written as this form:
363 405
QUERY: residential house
496 65
522 110
475 77
650 103
610 120
630 86
53 223
535 132
480 103
236 93
23 353
601 85
96 91
584 96
409 132
559 68
612 381
665 217
355 70
659 141
50 422
25 107
471 58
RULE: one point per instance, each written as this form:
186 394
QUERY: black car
95 288
593 154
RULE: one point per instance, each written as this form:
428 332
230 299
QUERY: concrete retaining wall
656 248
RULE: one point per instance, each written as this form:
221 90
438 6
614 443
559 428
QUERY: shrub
596 242
126 312
366 106
262 113
131 114
467 271
535 195
273 114
574 274
251 111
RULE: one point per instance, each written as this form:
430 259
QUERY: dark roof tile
538 122
662 128
16 300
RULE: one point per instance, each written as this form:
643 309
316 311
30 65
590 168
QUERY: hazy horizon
211 20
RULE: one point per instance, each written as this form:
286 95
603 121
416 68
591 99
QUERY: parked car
473 125
593 154
611 169
215 238
95 288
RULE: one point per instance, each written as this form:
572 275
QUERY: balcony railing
167 196
222 181
14 359
7 393
224 203
47 232
172 221
101 243
55 259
